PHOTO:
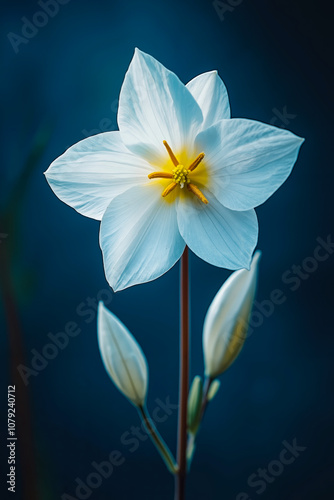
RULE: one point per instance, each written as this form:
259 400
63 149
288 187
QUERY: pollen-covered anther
169 189
196 162
181 175
171 154
194 189
160 175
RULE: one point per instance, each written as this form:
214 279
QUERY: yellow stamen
196 162
169 189
161 175
171 154
181 175
194 189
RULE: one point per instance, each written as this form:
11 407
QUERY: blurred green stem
157 440
207 384
192 437
9 250
23 414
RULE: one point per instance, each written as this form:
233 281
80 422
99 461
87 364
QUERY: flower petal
220 236
155 106
211 95
139 237
93 171
122 356
248 160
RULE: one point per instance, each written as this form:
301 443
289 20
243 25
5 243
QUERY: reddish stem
180 478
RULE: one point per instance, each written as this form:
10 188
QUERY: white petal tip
248 265
255 260
212 73
139 52
299 140
257 256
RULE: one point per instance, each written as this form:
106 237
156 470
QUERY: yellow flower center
180 175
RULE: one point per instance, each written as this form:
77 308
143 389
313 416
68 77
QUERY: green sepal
191 447
214 388
195 404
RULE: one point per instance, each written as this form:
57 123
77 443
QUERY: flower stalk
206 388
192 435
157 440
180 478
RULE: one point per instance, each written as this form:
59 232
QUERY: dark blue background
68 76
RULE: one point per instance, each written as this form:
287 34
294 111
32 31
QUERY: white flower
122 357
226 322
179 172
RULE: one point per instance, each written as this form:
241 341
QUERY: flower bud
227 319
122 357
214 388
194 404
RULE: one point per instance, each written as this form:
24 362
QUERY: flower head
122 357
226 322
179 172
